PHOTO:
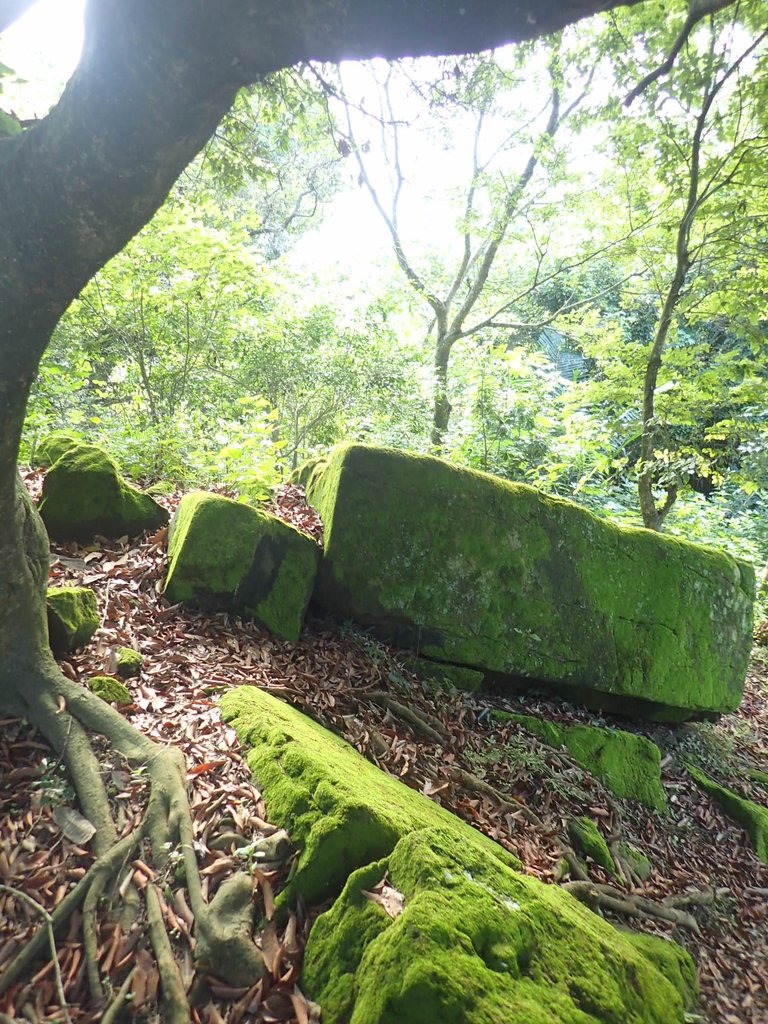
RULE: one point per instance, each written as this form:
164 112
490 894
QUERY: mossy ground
476 941
470 569
627 764
84 496
73 617
227 555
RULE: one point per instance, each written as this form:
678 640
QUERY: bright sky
43 49
351 251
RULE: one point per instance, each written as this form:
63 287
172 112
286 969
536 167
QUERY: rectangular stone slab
468 568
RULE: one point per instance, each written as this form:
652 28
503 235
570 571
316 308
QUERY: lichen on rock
85 495
628 765
73 617
226 555
470 569
471 939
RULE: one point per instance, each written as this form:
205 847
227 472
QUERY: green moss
129 662
470 569
227 555
73 617
588 840
751 816
110 689
457 676
161 488
542 728
53 446
758 776
628 765
476 942
342 812
672 961
84 495
304 473
636 860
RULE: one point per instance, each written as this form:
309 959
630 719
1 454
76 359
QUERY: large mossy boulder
73 617
229 556
474 570
430 919
84 495
628 765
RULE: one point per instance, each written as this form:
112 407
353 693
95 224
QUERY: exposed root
25 957
430 726
175 1005
223 929
606 897
51 944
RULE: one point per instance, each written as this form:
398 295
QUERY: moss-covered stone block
73 617
110 689
628 765
672 960
441 674
636 860
128 662
588 840
752 817
85 495
474 942
160 489
223 554
343 812
53 446
467 568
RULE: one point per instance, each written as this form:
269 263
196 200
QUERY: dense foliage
582 307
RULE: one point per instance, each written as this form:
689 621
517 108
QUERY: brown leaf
75 827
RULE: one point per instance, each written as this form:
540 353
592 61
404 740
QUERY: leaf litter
359 688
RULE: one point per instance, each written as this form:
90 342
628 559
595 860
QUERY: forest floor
357 687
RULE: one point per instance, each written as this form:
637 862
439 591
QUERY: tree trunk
153 82
442 407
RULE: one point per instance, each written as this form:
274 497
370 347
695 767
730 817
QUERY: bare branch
697 11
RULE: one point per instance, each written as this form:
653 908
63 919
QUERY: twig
18 894
697 11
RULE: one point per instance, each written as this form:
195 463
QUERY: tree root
51 944
430 726
63 711
605 897
175 1005
24 958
